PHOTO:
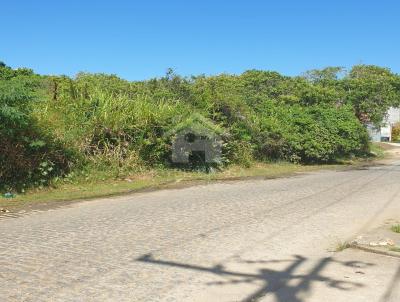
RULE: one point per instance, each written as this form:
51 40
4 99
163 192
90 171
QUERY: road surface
253 240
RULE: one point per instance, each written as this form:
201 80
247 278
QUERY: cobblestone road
256 240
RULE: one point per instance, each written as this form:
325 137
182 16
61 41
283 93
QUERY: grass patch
87 189
395 228
378 150
341 246
395 249
102 184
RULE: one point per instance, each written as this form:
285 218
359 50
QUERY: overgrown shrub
396 132
309 134
27 155
102 123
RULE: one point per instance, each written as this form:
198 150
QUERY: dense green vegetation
28 153
396 133
97 125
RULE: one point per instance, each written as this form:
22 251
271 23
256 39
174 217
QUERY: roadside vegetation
396 133
58 131
80 188
396 228
342 245
394 249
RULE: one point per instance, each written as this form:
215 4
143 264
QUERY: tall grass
112 127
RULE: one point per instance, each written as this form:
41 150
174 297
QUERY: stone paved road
256 240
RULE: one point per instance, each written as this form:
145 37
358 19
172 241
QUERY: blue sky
141 39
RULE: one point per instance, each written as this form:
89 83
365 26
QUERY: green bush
101 123
27 155
396 132
309 134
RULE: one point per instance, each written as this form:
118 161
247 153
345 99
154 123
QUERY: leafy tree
371 90
328 74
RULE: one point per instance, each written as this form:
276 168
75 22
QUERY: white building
384 133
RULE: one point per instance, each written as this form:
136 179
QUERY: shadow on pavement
275 282
392 286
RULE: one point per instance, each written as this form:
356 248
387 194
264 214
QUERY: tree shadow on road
392 286
276 282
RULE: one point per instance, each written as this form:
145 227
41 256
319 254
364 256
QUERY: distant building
384 133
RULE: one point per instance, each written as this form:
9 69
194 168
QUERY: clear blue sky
141 39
